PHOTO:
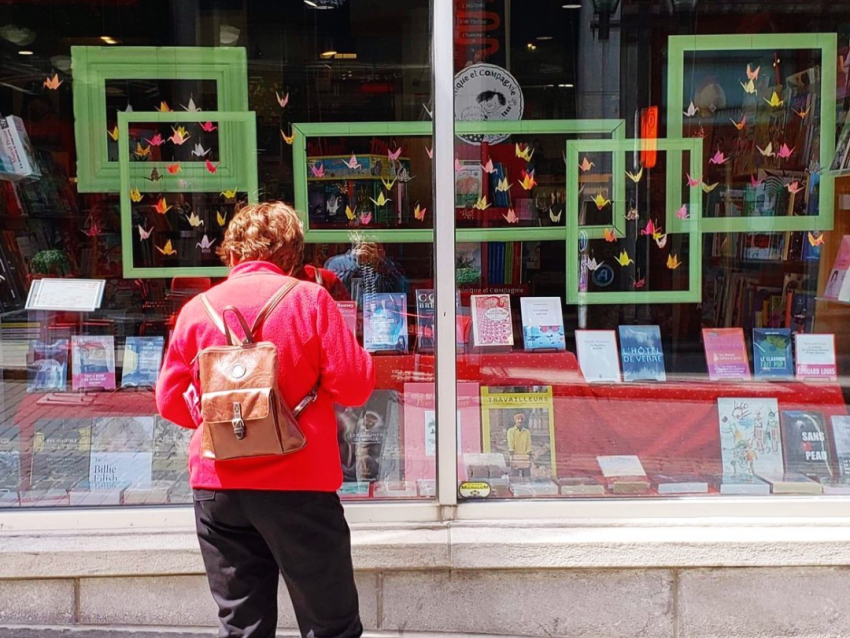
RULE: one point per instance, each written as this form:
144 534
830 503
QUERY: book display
641 353
492 324
385 323
597 355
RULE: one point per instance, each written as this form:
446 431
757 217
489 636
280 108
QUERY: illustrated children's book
772 358
542 323
750 439
492 324
641 353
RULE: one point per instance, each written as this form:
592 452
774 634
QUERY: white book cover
542 323
815 356
492 324
841 437
750 438
597 355
620 465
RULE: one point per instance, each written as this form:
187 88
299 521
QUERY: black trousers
247 537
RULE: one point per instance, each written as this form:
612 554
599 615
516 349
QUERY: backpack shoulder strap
272 303
216 318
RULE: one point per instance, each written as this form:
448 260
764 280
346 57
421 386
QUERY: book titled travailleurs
772 358
641 353
726 354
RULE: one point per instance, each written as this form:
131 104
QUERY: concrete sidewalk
83 631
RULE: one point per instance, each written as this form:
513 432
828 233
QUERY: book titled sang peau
805 443
641 353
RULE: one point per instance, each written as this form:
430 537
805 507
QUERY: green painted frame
614 128
827 44
130 171
692 225
93 66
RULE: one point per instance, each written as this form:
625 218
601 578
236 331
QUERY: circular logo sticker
486 92
603 276
582 240
474 489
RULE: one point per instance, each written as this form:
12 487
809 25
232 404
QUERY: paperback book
369 438
425 320
597 355
542 323
492 323
743 484
676 484
624 474
841 438
385 322
726 354
61 453
815 357
93 362
142 361
348 310
47 366
170 451
519 424
641 353
838 284
805 444
750 438
121 453
772 358
791 483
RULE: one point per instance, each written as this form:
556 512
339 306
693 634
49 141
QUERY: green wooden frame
613 128
94 66
131 175
691 226
827 44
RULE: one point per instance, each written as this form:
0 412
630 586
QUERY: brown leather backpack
243 411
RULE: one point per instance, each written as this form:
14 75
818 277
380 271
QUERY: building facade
599 249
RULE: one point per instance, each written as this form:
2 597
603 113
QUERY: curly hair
270 231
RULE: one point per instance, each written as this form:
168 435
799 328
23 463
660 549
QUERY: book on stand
542 324
425 320
47 366
624 474
772 358
641 353
142 361
348 310
838 284
726 354
492 323
385 322
92 362
597 355
750 437
815 357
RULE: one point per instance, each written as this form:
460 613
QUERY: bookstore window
653 240
129 136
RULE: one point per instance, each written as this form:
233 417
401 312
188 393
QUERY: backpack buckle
237 422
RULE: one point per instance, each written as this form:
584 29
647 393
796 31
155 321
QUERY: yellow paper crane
229 194
523 153
528 182
113 133
600 201
289 139
135 195
221 219
635 177
167 250
482 204
142 151
419 213
503 186
624 260
673 262
774 101
749 87
388 185
195 220
351 213
381 201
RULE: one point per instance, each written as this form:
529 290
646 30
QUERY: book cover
750 438
622 465
348 310
641 353
805 443
518 423
47 366
420 429
772 358
492 324
121 453
92 362
425 320
385 322
10 458
815 357
61 453
726 354
170 451
369 438
542 323
597 355
142 361
841 438
838 284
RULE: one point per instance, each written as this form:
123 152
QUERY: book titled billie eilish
641 353
772 358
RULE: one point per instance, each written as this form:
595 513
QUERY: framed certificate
75 295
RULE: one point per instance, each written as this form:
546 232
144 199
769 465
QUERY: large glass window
129 136
652 244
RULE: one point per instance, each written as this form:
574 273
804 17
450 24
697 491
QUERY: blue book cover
385 322
772 358
641 353
142 361
542 323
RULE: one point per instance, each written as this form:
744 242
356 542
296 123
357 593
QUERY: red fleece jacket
313 343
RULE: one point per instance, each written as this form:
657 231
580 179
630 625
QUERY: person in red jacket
259 516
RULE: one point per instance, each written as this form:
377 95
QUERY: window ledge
459 545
